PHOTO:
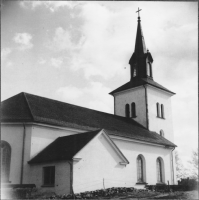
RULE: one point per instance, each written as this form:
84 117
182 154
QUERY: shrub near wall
16 193
190 184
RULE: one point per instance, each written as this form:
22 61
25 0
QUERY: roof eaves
119 88
161 88
138 139
126 89
10 121
158 86
165 139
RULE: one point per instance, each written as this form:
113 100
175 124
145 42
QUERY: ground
135 195
110 193
179 195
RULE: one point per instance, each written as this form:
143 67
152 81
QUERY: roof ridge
28 104
66 103
82 108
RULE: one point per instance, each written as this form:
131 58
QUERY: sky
78 52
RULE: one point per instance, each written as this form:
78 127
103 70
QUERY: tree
194 165
181 172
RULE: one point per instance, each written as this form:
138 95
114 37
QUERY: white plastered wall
62 177
99 166
37 137
136 95
132 149
13 134
100 158
156 124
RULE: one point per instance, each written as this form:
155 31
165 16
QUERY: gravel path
178 195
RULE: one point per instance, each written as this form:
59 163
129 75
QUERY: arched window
151 75
127 110
162 110
159 164
158 109
162 133
140 169
133 110
135 70
149 69
5 161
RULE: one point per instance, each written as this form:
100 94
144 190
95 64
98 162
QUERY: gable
102 144
71 147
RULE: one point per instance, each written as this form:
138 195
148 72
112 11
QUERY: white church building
61 147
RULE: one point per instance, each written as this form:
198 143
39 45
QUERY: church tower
143 99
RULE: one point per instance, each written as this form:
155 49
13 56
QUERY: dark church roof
26 107
139 82
64 148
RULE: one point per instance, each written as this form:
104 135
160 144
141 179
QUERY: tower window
133 110
5 160
135 70
162 110
127 110
162 133
158 109
149 69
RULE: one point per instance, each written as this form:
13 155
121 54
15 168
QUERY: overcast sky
78 52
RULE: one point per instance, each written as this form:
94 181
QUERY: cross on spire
138 11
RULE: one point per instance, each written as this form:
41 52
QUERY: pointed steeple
140 47
141 60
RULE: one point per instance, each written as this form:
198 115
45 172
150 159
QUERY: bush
16 193
191 184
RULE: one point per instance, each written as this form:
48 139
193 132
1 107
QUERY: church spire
141 60
140 47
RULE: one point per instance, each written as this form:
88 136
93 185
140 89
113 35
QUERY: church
64 148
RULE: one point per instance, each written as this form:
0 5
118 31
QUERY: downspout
22 154
172 164
147 114
114 106
71 178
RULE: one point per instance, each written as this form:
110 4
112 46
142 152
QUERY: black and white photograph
99 99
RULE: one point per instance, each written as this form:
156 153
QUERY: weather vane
138 12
